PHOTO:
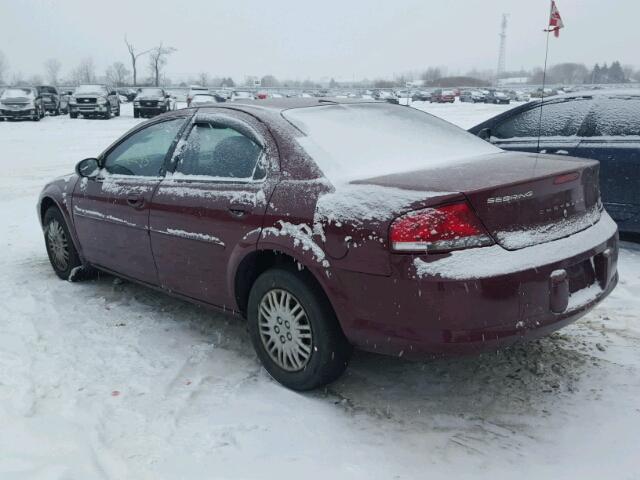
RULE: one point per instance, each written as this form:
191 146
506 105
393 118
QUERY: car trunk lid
522 199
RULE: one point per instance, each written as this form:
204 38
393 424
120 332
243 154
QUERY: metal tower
502 57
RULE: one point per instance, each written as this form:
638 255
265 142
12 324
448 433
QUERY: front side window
560 119
143 152
220 152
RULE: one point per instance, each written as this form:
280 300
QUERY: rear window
618 116
560 119
351 142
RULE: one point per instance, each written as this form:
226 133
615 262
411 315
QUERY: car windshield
91 90
17 93
351 142
151 92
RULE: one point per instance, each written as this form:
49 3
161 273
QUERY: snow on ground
109 380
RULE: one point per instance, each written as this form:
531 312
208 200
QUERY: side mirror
485 134
166 95
88 168
112 92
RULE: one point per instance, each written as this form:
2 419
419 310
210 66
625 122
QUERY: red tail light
439 229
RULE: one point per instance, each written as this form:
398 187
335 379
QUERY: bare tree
85 72
52 69
3 67
203 79
157 60
117 74
134 59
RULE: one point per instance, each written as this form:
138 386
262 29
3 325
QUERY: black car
420 96
21 102
602 125
497 97
151 101
128 93
50 98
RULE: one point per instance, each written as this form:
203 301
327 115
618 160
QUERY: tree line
117 74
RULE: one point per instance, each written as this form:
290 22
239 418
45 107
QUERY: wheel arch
258 261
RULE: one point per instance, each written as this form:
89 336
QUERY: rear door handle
238 212
135 202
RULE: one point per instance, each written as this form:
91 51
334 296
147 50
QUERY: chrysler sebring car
331 225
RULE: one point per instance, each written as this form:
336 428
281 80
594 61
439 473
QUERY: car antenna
555 24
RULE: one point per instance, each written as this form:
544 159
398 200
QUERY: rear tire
73 115
136 113
60 249
118 111
294 330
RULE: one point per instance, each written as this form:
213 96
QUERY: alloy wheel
285 330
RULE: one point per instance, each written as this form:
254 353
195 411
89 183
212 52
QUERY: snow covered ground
108 380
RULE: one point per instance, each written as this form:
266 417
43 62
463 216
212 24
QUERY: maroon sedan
330 225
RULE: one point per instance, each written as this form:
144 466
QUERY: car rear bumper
493 301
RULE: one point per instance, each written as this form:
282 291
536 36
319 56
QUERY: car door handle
135 202
238 212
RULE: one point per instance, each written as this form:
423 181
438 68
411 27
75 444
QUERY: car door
111 212
613 137
558 129
212 205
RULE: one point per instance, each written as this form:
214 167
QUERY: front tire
136 113
60 249
294 330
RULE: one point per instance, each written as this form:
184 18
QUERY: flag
555 20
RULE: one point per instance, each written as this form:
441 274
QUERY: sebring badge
510 198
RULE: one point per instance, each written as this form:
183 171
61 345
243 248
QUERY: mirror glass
88 168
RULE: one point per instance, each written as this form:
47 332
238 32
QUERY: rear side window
615 117
217 151
560 119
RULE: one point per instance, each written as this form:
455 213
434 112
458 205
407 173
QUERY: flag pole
544 82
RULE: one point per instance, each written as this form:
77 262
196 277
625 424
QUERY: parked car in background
50 98
21 102
497 97
203 99
238 95
128 93
64 101
519 96
443 96
472 96
151 101
196 90
602 125
386 96
454 246
421 96
94 101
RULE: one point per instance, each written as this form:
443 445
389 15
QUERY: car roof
613 92
281 104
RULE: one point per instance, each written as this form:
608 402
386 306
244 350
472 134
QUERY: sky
299 40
